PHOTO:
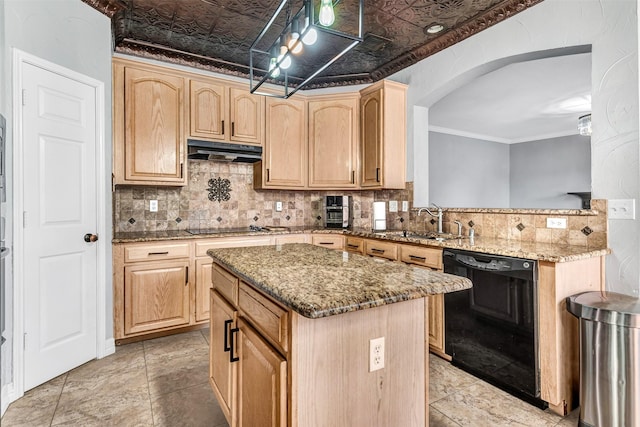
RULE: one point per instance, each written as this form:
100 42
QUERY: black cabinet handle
227 323
186 276
233 358
377 174
233 128
325 243
159 253
268 177
222 127
380 251
353 177
352 246
419 258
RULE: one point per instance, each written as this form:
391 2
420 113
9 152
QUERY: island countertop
319 282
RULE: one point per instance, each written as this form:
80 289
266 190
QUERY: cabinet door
371 139
285 150
156 296
203 288
154 132
247 116
436 323
333 137
207 115
222 371
262 382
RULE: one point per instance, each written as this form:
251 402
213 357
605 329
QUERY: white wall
74 35
468 172
611 28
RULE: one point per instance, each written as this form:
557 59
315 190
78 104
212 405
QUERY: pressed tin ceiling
216 34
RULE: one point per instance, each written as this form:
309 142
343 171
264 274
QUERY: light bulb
294 43
274 71
285 61
326 17
310 34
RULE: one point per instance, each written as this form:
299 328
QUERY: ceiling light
434 28
326 16
584 125
295 72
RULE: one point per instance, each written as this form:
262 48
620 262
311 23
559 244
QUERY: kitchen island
306 336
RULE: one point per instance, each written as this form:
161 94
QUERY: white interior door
59 152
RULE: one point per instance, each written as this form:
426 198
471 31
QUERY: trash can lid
606 307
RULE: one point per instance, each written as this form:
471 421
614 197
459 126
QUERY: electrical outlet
556 222
278 206
622 209
405 206
393 206
153 206
376 354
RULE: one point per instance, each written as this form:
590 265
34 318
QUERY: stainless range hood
223 152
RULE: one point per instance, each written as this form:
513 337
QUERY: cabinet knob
90 238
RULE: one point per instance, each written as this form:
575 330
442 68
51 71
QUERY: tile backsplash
189 207
236 204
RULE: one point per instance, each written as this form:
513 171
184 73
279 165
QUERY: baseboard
8 397
109 348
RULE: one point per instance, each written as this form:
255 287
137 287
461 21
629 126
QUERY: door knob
90 238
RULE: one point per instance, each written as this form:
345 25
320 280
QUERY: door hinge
24 97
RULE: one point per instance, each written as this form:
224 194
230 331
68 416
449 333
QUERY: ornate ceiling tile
216 34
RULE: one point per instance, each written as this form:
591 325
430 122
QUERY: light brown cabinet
354 244
331 241
222 370
148 125
383 135
333 141
224 111
156 296
284 159
203 285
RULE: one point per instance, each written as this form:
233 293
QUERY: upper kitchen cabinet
383 135
333 141
284 159
221 111
148 125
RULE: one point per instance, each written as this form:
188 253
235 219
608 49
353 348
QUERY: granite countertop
318 282
552 252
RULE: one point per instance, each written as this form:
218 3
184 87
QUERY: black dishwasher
491 329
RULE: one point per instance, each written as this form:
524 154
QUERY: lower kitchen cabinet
156 296
262 381
203 285
331 241
222 351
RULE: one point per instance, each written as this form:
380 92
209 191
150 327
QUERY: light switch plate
405 206
622 209
393 206
278 206
153 206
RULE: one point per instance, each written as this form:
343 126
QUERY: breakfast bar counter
307 336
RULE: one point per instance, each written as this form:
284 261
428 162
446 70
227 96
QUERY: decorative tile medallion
586 231
219 219
219 189
178 220
132 221
255 218
288 217
471 223
520 226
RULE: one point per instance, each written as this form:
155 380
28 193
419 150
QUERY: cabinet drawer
425 257
225 283
268 317
328 241
381 249
156 252
203 246
354 244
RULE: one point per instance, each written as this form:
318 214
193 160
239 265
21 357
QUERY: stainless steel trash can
609 358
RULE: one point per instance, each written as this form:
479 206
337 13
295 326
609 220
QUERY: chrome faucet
459 224
436 215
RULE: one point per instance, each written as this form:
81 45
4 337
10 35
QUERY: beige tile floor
164 382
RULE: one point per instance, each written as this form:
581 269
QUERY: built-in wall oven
491 329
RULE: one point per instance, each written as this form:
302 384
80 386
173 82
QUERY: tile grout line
146 375
53 416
